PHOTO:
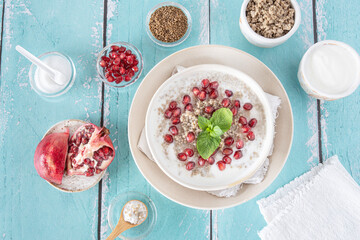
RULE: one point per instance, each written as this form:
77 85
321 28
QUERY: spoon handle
120 228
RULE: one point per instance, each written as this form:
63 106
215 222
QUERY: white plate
239 170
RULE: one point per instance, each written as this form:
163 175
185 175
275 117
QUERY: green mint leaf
206 145
203 122
222 118
216 132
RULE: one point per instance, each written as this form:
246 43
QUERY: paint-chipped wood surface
31 209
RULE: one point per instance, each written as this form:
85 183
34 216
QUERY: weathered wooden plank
339 119
31 208
126 22
244 221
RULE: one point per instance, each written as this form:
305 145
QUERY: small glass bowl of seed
168 24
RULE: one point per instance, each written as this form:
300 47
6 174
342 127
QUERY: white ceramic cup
305 82
261 41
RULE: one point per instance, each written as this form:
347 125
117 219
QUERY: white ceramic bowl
319 93
261 41
240 170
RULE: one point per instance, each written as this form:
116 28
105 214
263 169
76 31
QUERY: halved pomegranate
90 150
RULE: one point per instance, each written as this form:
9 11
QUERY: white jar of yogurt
329 70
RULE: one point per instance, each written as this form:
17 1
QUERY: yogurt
135 212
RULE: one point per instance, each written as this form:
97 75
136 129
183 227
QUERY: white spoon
55 75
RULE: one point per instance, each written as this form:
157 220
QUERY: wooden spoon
123 225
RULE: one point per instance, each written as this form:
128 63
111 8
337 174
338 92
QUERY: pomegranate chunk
214 94
227 151
186 99
229 141
189 152
251 136
227 159
211 160
168 113
168 138
225 102
234 110
202 95
172 105
201 161
173 130
245 129
175 120
205 83
190 166
209 109
248 106
239 144
177 112
182 157
252 122
228 93
189 107
238 154
221 165
242 120
214 85
190 137
196 91
237 103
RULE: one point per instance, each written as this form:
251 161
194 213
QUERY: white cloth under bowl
324 203
256 178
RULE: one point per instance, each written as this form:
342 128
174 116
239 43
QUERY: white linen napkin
274 101
324 203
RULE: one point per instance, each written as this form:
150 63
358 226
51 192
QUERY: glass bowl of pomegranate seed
119 64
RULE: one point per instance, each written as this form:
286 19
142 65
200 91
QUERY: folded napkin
274 101
324 203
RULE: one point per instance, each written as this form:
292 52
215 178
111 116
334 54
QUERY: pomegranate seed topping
214 94
182 156
225 102
117 61
245 129
173 130
237 103
116 74
186 99
128 52
177 112
227 159
129 60
119 79
209 109
228 93
102 63
135 68
202 95
110 79
190 166
252 122
168 138
127 78
175 120
229 141
248 106
214 85
234 110
105 58
238 154
242 120
196 91
189 152
98 171
172 105
251 136
168 113
122 49
189 107
113 54
122 56
201 161
227 151
114 47
205 83
239 144
211 160
221 165
122 70
190 137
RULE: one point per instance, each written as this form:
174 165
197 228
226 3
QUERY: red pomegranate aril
225 102
129 60
103 63
182 157
214 85
238 154
208 90
209 109
229 141
116 74
205 83
122 70
176 112
211 160
252 122
201 161
136 62
242 120
172 105
186 99
119 79
122 49
113 54
98 171
110 79
239 144
117 61
173 130
221 165
190 166
135 68
245 129
131 73
227 151
127 78
234 110
228 93
190 137
105 58
237 103
251 136
227 159
128 52
115 48
168 138
115 68
248 106
189 152
168 113
214 94
175 120
202 95
122 56
196 91
189 107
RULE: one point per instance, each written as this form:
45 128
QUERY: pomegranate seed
135 68
102 63
168 138
127 78
177 112
105 58
189 152
209 109
114 47
117 61
238 154
239 144
89 174
119 79
201 161
122 49
205 83
221 165
228 93
227 151
168 113
115 68
215 152
242 120
214 85
182 156
248 106
208 90
175 120
202 95
189 107
186 99
122 70
129 60
122 56
131 73
237 103
173 130
251 136
113 54
190 137
225 102
136 62
229 141
196 91
116 74
252 122
234 110
128 52
110 79
245 129
227 159
214 94
190 166
172 105
211 160
87 161
98 170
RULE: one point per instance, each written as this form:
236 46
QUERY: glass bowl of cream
329 70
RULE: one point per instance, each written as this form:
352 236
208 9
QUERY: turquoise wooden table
31 209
